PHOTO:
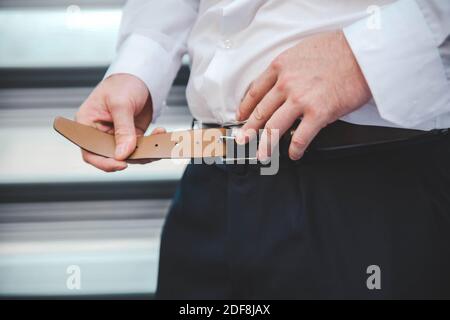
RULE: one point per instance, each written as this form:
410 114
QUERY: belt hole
156 145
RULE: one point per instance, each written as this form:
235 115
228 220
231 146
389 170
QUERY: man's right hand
119 105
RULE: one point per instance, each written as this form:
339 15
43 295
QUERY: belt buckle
229 140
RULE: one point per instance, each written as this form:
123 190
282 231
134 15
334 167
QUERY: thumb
124 132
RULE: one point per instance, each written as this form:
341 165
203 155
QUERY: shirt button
227 44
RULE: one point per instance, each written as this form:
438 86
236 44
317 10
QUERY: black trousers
312 230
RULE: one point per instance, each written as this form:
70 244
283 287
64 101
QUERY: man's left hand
318 80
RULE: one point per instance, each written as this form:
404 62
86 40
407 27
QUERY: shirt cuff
436 14
148 61
401 63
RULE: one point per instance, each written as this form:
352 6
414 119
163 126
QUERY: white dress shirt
402 47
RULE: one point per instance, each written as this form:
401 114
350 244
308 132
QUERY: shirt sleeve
152 41
398 52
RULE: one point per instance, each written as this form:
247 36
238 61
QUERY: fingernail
262 157
295 155
239 137
122 167
121 150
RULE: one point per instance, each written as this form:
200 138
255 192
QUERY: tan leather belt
200 143
215 142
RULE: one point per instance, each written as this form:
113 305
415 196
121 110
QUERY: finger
263 111
92 113
309 127
101 121
105 126
124 132
158 130
102 163
280 122
256 92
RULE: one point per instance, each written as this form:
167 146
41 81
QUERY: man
366 221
